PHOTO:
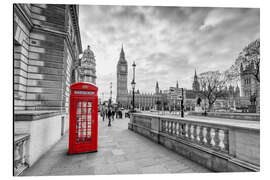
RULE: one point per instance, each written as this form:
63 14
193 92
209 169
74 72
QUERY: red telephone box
83 118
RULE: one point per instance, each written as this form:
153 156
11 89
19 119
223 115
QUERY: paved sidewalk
120 151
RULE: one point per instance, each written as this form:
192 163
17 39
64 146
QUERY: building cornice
19 9
75 21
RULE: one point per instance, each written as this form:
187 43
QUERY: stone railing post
155 124
232 143
21 153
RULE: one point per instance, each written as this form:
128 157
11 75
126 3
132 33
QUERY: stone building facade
85 70
229 101
47 42
250 87
145 101
195 84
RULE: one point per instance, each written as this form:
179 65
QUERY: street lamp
133 86
205 113
110 100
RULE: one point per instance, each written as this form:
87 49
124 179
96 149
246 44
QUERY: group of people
110 114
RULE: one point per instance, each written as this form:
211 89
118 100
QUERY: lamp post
133 86
205 113
110 100
182 102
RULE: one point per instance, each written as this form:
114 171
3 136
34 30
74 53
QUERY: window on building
247 93
17 50
247 81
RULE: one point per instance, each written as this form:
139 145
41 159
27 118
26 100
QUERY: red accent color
83 118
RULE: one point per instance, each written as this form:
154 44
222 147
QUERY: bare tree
212 85
249 55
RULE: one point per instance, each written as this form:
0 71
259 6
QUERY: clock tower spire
122 72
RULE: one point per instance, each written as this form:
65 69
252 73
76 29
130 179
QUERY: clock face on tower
123 68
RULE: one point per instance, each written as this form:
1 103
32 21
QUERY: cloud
217 16
167 43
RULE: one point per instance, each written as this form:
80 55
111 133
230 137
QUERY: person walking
113 113
103 114
106 113
109 116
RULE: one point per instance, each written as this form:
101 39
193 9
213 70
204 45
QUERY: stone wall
219 147
44 132
236 116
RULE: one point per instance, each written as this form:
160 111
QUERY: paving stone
120 151
145 162
105 170
117 152
175 166
156 169
83 171
116 159
131 171
126 166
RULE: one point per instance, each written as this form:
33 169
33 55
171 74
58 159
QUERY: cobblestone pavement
120 151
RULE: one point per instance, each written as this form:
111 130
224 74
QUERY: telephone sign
83 123
84 92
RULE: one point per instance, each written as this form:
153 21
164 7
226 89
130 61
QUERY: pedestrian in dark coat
109 116
121 114
106 113
103 114
113 113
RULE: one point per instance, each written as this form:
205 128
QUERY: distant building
47 43
86 67
250 87
145 101
230 100
195 84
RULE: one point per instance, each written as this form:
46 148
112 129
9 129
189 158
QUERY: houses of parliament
147 101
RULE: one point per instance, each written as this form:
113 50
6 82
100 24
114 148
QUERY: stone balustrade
218 146
213 137
21 153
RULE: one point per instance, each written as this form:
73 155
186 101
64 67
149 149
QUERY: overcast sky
166 43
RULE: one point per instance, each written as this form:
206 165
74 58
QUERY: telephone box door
83 125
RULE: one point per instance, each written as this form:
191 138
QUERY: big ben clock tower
122 72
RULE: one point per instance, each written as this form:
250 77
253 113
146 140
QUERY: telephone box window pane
79 108
89 104
83 132
83 125
84 117
89 117
89 111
